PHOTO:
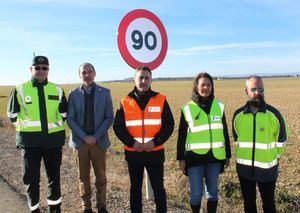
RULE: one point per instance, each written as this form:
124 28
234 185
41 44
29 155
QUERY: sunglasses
41 68
260 90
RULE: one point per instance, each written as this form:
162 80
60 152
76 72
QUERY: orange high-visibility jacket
143 125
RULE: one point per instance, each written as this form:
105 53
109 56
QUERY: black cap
40 60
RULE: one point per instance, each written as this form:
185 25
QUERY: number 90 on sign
143 40
137 38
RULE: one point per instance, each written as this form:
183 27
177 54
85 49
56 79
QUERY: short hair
203 75
86 64
144 68
256 77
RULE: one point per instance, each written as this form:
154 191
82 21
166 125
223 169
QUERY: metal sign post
149 190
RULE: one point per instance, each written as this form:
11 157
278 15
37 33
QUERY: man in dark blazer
90 114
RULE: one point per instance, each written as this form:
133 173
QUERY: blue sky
222 37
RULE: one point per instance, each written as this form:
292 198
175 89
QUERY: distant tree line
216 78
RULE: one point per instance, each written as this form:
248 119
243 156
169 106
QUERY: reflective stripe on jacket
143 125
205 131
28 119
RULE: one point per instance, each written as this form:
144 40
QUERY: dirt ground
117 195
12 202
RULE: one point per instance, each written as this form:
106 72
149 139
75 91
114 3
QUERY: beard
257 101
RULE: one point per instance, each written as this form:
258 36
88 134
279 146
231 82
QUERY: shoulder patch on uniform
28 99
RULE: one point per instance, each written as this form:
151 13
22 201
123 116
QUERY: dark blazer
103 116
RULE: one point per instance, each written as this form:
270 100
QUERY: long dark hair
203 75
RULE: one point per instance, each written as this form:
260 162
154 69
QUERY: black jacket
161 137
191 158
252 172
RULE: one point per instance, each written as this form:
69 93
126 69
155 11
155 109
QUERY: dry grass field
283 93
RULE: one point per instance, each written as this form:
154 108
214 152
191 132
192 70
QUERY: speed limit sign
142 39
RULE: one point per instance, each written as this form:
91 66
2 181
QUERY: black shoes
102 210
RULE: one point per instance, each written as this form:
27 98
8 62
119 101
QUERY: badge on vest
154 109
28 99
216 118
53 97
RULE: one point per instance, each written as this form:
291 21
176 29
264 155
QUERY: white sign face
142 39
144 44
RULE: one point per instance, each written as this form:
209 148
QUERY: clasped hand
90 140
143 147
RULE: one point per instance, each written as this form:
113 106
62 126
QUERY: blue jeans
211 174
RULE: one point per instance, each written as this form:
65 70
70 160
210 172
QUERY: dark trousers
266 190
32 158
156 174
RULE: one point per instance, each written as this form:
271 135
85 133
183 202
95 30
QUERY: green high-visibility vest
28 119
205 131
257 137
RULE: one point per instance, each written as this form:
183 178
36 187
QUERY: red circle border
127 19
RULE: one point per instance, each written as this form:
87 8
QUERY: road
11 201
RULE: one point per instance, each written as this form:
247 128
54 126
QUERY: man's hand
137 146
148 147
182 166
90 140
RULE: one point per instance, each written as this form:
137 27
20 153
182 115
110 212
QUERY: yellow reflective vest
28 119
205 131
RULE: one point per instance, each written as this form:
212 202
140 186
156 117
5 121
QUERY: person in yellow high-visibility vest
260 133
38 109
203 146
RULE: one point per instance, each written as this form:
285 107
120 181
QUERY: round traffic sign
142 39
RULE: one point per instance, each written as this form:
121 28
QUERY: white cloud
191 32
50 41
213 48
29 36
102 4
291 7
291 60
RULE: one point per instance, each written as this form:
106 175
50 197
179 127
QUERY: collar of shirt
88 89
36 83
